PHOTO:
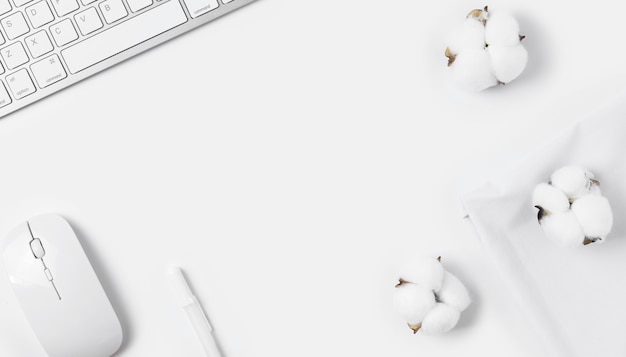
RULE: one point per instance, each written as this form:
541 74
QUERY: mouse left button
37 248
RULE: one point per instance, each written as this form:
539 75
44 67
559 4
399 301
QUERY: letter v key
88 21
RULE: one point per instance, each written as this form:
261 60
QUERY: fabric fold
575 299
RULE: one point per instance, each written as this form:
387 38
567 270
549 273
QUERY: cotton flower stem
595 182
521 37
479 15
542 212
437 299
415 328
451 56
400 282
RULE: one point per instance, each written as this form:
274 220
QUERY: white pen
194 311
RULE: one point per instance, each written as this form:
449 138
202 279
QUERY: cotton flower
594 216
563 229
485 50
550 198
453 292
413 302
503 30
574 181
432 310
507 63
424 271
572 210
442 318
470 35
472 70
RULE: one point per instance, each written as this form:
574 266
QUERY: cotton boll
469 35
550 198
501 29
472 70
507 63
427 310
453 292
413 302
594 216
442 318
476 63
563 229
424 271
574 181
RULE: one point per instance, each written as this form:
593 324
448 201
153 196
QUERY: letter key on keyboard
14 55
64 7
47 45
38 44
88 21
113 10
15 25
123 36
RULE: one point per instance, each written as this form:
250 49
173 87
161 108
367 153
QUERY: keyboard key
199 7
124 36
64 7
15 25
38 44
39 14
14 55
63 32
5 6
88 21
19 3
113 10
48 71
5 98
136 5
20 84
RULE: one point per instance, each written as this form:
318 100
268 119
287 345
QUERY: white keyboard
47 45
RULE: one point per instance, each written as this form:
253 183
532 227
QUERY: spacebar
124 36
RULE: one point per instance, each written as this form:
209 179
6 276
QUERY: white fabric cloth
575 298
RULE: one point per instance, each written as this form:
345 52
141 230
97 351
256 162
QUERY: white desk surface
288 156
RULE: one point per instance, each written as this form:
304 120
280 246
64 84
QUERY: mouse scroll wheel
37 248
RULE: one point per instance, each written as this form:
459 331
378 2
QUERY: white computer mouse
59 291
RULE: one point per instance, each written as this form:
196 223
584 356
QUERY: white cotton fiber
588 218
472 70
501 29
426 309
563 229
574 181
485 50
442 318
469 35
594 216
550 198
413 302
453 292
424 271
507 63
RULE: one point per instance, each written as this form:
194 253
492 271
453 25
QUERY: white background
288 156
